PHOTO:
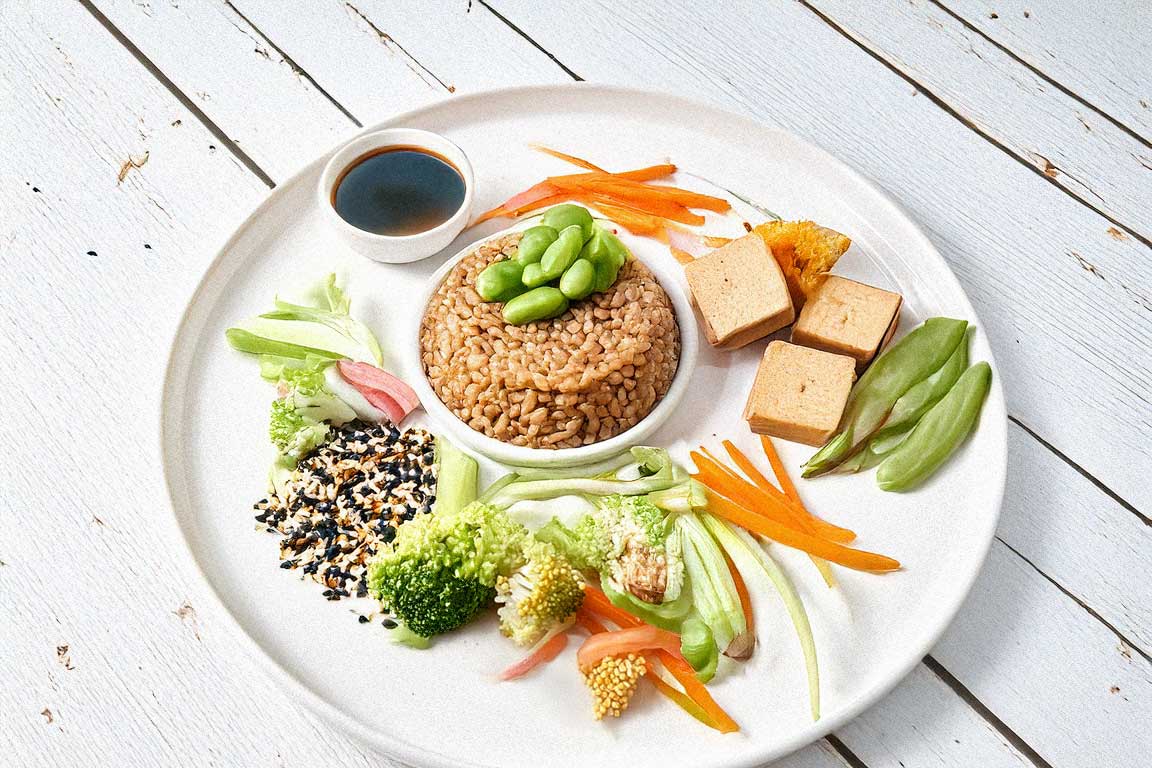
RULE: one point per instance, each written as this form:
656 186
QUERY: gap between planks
1043 76
941 672
956 115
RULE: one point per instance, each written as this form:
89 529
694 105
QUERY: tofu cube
848 318
740 293
799 393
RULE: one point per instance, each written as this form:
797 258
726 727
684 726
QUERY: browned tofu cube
799 393
740 292
848 318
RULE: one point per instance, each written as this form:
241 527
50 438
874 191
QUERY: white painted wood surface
1048 660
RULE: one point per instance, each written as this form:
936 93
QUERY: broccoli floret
586 546
441 570
539 596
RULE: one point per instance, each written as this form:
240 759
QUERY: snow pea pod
902 366
916 402
533 243
938 434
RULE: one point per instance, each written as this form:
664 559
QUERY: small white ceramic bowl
460 433
400 249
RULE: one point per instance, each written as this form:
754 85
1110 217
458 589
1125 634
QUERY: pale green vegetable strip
713 590
747 553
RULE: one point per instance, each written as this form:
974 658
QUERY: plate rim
394 746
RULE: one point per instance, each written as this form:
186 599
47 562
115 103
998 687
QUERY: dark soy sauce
398 191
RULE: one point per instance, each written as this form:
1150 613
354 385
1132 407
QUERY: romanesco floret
539 596
441 570
586 545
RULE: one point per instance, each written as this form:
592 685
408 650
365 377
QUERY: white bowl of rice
582 387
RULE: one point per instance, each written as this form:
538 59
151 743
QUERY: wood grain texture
96 271
172 688
1097 50
1020 246
1084 153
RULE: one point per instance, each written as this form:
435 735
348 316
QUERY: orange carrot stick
627 188
803 521
665 209
686 676
768 501
579 162
635 222
742 593
650 173
855 559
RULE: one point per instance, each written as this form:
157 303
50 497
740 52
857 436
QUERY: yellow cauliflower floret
613 682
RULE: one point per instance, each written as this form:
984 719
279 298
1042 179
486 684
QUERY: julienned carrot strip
635 222
585 619
651 173
742 593
627 188
804 520
598 602
778 469
686 676
662 208
768 501
577 161
836 553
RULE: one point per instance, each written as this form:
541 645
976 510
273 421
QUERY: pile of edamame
565 258
911 409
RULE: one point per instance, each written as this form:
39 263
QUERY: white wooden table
135 134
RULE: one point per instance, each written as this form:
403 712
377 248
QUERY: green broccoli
441 570
539 596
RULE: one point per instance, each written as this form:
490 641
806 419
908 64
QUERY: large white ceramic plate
444 707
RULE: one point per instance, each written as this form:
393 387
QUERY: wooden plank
1088 155
451 45
1018 244
257 96
1097 50
924 724
1079 537
1069 687
96 270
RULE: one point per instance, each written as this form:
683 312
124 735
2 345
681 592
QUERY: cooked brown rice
582 377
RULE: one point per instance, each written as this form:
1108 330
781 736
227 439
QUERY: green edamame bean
562 253
537 304
938 434
567 215
533 243
578 280
533 276
616 249
902 366
500 281
606 273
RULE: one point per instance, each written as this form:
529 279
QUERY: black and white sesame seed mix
346 498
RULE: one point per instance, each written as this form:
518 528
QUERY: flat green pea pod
533 276
500 281
578 280
907 411
698 646
902 366
533 243
561 216
562 253
537 304
938 434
